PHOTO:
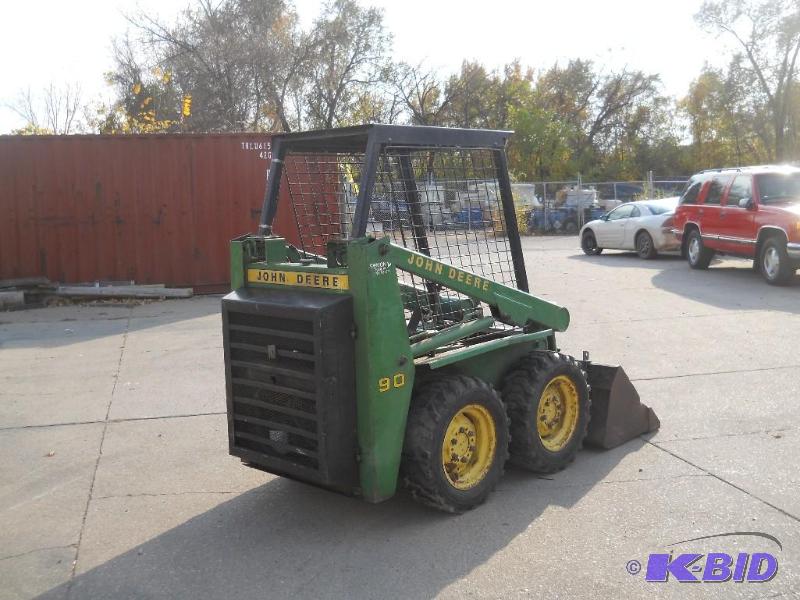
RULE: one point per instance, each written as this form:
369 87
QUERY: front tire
774 262
589 244
456 443
697 255
547 399
645 247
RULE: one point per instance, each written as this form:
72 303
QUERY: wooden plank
26 282
127 291
12 299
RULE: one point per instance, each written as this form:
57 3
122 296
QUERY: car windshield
778 187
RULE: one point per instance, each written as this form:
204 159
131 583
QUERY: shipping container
148 208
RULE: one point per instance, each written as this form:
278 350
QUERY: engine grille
291 401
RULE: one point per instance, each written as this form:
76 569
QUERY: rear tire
697 255
456 443
589 244
774 262
645 247
547 399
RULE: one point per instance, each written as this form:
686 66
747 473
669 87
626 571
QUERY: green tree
726 128
605 114
767 33
540 148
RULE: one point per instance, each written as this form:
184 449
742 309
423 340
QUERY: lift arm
509 305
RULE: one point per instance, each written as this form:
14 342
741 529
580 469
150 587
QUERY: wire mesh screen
444 203
323 189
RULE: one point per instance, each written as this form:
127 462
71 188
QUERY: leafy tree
470 92
726 129
767 33
481 98
148 101
605 114
539 149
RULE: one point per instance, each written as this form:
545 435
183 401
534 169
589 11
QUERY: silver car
644 226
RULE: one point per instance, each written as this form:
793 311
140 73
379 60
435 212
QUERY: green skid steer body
394 339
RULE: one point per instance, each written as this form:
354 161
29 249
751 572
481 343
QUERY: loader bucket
617 414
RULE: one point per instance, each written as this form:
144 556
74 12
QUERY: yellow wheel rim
468 447
557 414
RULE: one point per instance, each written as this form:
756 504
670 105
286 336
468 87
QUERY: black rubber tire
570 228
645 247
785 267
704 255
589 244
433 406
522 393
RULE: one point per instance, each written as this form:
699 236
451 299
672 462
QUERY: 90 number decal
385 384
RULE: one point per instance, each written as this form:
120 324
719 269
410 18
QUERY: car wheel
698 256
571 227
774 262
645 247
589 244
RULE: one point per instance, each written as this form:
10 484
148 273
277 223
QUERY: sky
44 41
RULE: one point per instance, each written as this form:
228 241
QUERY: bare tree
249 65
54 111
768 33
242 62
350 55
424 97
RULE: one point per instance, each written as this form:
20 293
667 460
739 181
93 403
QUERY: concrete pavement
116 481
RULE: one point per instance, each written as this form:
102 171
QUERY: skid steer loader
396 340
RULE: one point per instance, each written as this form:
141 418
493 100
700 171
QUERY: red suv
752 212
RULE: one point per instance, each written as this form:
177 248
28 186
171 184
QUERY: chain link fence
564 206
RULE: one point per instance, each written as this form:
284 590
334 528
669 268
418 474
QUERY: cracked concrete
102 442
117 482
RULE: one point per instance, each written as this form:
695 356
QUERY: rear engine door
737 218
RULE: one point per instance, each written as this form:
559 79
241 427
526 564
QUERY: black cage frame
371 140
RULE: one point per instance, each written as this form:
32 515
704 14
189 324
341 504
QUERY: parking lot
116 481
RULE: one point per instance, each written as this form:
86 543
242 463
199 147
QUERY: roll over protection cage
371 141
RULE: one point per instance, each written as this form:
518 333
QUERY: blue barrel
471 218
